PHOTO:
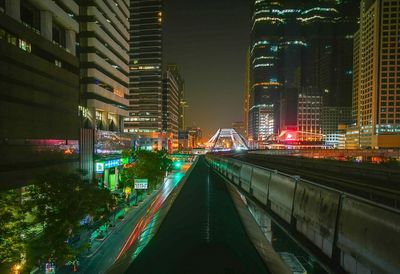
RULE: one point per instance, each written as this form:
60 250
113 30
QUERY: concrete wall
368 238
260 183
245 177
366 235
315 210
281 194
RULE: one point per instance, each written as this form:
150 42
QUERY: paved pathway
202 233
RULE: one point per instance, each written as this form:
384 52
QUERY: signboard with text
99 167
141 183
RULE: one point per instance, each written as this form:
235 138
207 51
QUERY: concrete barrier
281 193
368 238
224 166
360 235
231 163
259 184
315 210
237 165
245 177
218 163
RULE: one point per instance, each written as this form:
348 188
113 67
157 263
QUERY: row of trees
38 223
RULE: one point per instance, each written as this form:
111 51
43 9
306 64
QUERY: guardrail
371 181
359 235
362 170
383 153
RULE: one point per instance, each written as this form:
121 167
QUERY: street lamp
16 268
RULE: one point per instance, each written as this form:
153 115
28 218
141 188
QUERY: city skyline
106 112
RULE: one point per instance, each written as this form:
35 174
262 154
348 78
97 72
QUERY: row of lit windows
383 121
140 130
139 119
13 40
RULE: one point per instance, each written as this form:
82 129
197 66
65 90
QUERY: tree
12 226
147 165
166 163
59 202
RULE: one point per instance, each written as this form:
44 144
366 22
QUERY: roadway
124 234
202 233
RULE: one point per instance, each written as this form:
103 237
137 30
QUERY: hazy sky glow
208 40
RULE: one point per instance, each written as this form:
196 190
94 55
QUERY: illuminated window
12 39
98 115
24 45
57 63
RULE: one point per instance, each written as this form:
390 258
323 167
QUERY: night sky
208 40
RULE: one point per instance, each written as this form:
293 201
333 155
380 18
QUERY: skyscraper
246 96
299 47
376 91
264 83
104 59
172 93
145 87
103 54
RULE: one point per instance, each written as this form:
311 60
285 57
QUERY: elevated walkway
204 232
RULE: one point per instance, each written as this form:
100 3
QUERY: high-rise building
309 117
246 96
261 124
333 121
352 135
104 59
172 93
196 134
146 74
183 105
299 46
182 110
265 86
376 90
103 51
39 89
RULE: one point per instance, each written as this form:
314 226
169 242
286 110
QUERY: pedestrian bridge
227 139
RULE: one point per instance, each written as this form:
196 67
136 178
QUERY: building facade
172 94
309 117
333 124
146 73
261 124
297 47
376 90
246 96
265 86
104 70
39 86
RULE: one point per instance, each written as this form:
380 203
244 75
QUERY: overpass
226 139
206 226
